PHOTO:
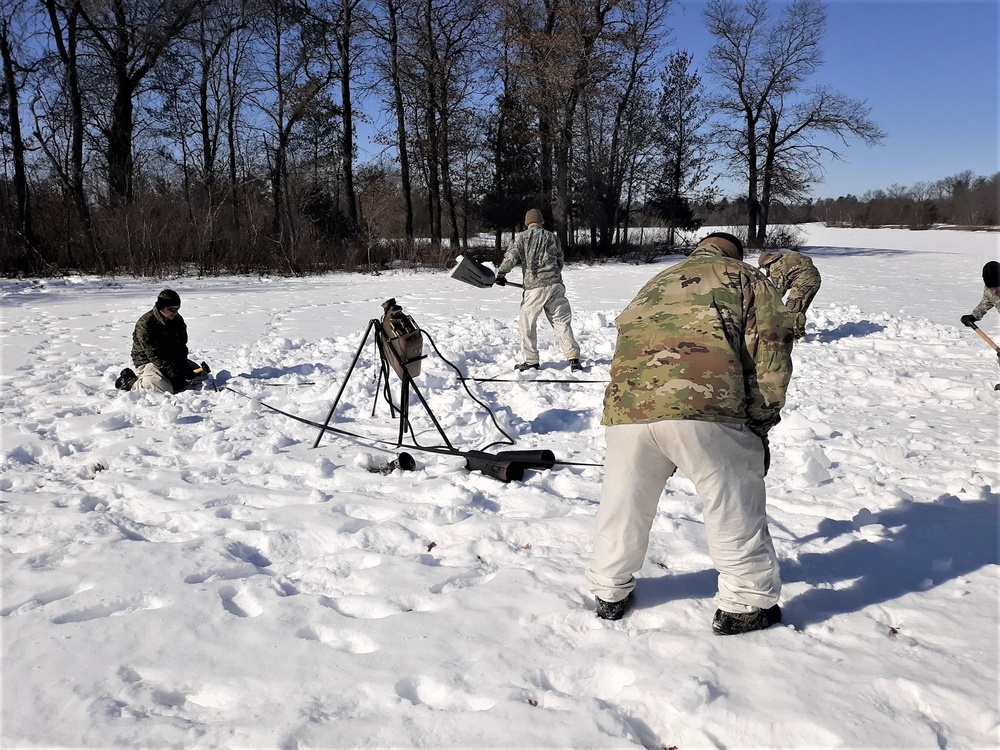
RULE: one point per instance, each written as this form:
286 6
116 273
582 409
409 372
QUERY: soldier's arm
781 281
984 305
514 256
768 355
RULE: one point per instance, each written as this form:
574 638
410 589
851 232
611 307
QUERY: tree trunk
23 197
401 144
347 142
73 178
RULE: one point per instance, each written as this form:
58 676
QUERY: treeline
160 136
963 200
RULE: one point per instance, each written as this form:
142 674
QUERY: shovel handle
986 338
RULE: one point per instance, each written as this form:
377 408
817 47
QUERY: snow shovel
993 346
985 338
476 274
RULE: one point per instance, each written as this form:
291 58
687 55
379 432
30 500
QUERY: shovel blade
474 273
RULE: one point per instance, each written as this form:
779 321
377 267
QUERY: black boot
734 623
126 378
526 366
575 366
613 610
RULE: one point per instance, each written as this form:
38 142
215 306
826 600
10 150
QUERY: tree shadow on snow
854 329
927 544
824 251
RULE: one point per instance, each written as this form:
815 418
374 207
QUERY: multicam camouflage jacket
539 252
989 300
793 271
162 342
706 340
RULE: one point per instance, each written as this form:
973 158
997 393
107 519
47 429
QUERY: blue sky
929 72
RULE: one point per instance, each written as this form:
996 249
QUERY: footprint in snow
45 597
441 697
109 609
239 602
348 641
602 681
377 608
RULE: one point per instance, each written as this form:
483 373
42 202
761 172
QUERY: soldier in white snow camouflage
540 256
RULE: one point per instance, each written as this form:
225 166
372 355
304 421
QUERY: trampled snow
188 571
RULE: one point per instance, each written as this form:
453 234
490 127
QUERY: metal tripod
388 357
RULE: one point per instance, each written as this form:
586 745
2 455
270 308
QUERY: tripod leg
427 408
371 324
404 409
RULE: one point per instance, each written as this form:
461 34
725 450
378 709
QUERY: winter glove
501 280
968 320
205 369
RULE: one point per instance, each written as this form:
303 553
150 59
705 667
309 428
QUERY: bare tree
617 110
560 47
298 70
385 27
682 114
440 39
13 74
59 119
763 64
130 36
348 22
792 151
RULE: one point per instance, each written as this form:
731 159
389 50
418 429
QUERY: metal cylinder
539 459
492 466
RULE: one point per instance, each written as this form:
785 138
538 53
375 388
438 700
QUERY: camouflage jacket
162 342
793 271
706 340
538 251
988 301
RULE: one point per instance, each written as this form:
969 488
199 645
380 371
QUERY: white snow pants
726 464
150 380
552 301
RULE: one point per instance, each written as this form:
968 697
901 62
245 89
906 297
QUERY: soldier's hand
968 320
205 368
501 280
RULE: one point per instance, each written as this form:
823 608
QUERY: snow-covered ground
188 571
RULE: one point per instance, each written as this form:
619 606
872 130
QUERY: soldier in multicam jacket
540 255
159 348
796 274
699 375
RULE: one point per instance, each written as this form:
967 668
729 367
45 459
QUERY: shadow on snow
853 329
927 544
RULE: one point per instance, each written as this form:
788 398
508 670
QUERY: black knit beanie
991 274
168 298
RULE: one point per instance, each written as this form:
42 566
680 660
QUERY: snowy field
188 571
